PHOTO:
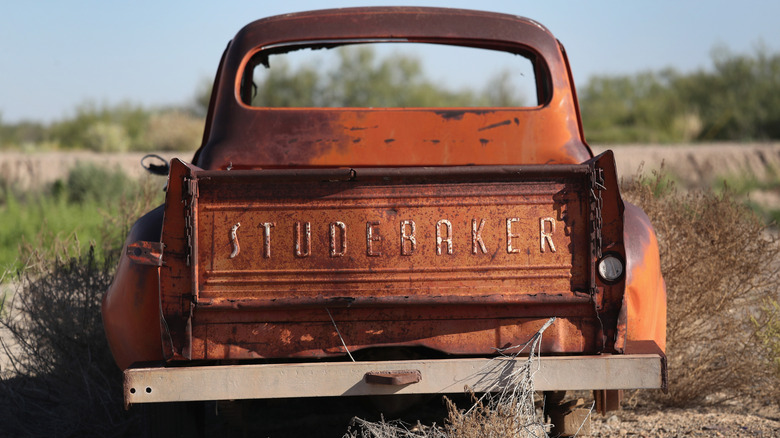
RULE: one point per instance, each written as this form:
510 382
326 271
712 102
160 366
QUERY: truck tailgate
315 262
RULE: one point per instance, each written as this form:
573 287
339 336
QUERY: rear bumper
328 379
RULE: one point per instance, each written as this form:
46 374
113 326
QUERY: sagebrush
720 262
510 411
63 380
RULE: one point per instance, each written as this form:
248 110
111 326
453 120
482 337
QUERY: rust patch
496 125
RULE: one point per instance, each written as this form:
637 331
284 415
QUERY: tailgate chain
191 194
596 204
596 187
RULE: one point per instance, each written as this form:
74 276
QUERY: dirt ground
694 421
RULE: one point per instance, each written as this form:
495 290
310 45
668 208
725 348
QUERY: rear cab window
389 74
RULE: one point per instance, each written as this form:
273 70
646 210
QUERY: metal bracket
145 253
393 377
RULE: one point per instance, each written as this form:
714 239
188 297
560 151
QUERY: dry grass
116 225
720 263
508 412
174 131
64 381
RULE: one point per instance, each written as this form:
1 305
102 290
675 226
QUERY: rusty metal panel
240 136
145 253
390 238
314 336
321 262
323 379
393 377
176 273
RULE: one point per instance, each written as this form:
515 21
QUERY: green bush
102 128
43 218
106 137
92 204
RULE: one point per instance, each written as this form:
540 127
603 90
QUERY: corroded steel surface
645 296
391 240
313 232
131 315
460 260
239 136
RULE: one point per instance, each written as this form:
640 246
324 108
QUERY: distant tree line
118 128
737 100
360 78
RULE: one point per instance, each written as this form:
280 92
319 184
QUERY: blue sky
59 54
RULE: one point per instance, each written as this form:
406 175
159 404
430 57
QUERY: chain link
190 190
596 204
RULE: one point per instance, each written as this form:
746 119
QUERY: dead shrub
719 262
510 412
768 325
63 381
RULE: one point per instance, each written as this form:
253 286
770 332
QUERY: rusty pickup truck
319 251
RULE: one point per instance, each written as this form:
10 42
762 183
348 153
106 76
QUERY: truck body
418 242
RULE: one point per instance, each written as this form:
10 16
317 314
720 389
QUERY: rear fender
643 315
131 306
